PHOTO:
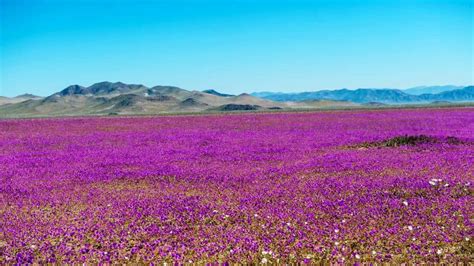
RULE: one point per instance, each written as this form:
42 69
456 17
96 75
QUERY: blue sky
235 46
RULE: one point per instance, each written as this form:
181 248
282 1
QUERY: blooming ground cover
281 187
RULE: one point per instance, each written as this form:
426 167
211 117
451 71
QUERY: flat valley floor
336 186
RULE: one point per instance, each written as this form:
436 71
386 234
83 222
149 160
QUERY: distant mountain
431 89
119 98
357 96
27 96
17 99
364 96
459 95
214 92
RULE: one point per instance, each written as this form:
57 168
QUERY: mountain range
386 96
117 98
431 89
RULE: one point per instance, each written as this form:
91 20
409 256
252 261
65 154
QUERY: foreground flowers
262 188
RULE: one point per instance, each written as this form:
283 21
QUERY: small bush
408 140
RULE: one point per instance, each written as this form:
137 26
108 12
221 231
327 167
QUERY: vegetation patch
410 140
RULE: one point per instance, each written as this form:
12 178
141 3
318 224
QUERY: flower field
255 188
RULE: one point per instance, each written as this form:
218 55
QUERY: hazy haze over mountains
389 96
431 89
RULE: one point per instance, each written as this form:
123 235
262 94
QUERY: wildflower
405 203
33 247
336 243
336 231
410 228
467 238
343 221
374 252
357 256
264 260
439 251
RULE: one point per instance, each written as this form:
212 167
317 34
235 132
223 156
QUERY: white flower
439 251
256 215
374 252
264 252
33 246
231 251
343 221
215 211
357 256
467 238
336 243
289 224
109 205
305 223
413 239
336 231
433 183
226 216
446 185
410 228
405 203
264 260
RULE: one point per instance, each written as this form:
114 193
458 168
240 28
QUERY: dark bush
408 140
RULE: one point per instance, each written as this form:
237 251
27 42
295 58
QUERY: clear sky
235 46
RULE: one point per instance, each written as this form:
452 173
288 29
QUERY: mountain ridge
386 96
105 97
